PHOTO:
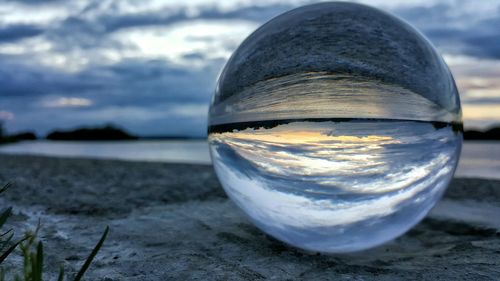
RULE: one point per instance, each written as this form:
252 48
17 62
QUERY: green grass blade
7 232
6 242
7 253
61 274
5 187
5 215
92 255
37 275
31 273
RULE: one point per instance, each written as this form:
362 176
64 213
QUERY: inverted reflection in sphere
335 127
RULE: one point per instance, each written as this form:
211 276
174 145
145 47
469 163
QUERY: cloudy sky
150 66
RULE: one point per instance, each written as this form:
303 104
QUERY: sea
480 159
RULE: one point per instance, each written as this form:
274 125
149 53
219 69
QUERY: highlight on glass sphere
335 127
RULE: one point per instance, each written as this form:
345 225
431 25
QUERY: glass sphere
335 127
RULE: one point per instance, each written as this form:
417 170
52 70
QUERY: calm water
478 159
185 151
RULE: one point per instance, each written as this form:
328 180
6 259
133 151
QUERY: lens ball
335 127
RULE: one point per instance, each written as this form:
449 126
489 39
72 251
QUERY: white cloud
14 13
6 115
211 39
67 102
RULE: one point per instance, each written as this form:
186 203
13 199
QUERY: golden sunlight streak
301 137
481 111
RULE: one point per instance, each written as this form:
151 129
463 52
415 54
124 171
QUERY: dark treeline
491 134
21 136
269 124
108 132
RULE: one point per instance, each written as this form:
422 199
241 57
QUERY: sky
151 66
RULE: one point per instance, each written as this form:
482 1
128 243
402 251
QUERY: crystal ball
335 127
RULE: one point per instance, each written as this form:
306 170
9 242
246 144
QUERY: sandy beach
174 222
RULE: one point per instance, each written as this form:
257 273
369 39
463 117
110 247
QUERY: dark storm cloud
479 38
148 78
84 31
483 39
476 38
127 82
455 32
15 32
165 17
153 81
19 78
485 101
143 96
34 2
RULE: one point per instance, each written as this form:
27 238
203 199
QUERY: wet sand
174 222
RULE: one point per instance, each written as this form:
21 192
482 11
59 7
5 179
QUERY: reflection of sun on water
301 137
316 151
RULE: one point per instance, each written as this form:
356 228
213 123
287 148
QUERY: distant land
8 138
113 133
17 137
490 134
108 132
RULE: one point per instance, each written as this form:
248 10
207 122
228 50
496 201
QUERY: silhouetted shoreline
268 124
10 138
114 133
23 136
490 134
107 132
